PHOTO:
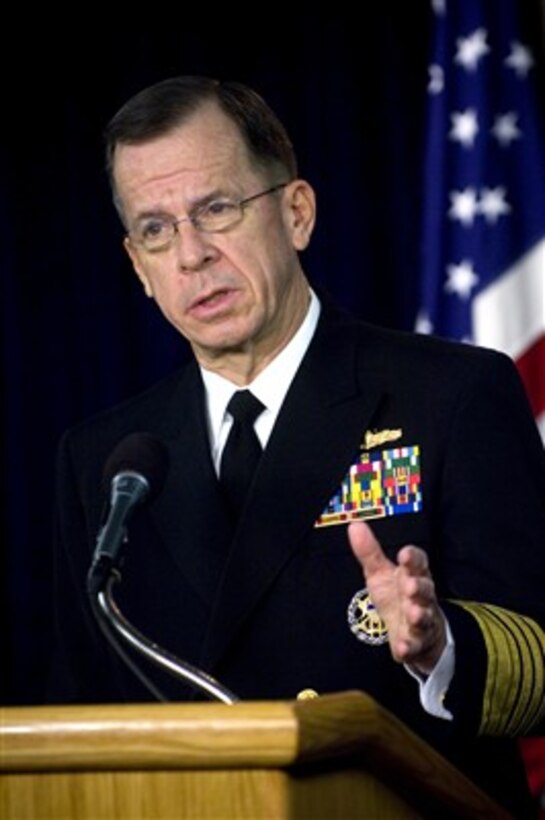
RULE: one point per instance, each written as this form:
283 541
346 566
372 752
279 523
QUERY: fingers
404 595
366 548
414 559
421 636
418 589
418 600
412 562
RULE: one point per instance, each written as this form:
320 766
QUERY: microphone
135 472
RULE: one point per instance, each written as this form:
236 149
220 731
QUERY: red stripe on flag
533 754
531 366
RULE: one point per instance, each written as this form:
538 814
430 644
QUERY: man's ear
138 269
301 212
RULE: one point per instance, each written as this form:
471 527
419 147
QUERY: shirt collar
272 384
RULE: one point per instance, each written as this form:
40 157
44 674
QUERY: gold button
307 694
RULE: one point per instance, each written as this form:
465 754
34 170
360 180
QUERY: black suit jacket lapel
189 515
316 437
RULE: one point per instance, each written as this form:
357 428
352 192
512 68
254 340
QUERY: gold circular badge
364 620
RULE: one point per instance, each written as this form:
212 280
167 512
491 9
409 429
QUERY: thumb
366 548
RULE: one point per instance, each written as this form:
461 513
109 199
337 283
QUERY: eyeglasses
157 233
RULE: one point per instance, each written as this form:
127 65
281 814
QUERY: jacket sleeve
493 555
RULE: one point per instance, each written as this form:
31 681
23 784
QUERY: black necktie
242 449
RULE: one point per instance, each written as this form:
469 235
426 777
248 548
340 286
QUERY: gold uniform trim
514 695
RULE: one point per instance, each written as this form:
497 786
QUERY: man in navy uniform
391 538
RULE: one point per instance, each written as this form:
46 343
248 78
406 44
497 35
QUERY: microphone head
143 454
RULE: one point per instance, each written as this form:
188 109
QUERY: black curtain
78 334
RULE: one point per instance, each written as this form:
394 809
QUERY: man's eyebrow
154 213
217 193
202 202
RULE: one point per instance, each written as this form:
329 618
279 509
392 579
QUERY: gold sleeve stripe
514 694
520 714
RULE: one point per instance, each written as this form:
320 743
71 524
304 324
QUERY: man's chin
215 346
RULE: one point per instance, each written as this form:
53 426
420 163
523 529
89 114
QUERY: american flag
483 241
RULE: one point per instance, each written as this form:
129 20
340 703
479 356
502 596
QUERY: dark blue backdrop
78 333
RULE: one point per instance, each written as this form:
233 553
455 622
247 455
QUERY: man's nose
194 249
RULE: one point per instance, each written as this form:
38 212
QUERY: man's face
238 291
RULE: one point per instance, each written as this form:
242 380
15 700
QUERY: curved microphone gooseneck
136 471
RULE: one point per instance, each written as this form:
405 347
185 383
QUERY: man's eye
154 229
219 207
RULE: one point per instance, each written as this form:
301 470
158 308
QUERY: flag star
461 279
464 205
505 128
423 322
439 7
471 49
436 81
492 204
520 59
464 127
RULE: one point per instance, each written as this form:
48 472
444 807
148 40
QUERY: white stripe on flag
509 314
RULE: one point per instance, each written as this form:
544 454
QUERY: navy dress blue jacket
264 608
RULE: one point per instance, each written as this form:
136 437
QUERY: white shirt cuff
434 687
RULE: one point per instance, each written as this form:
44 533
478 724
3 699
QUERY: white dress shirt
270 387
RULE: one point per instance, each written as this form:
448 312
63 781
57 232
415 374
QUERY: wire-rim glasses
157 233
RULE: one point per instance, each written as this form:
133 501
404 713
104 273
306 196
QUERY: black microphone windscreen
139 453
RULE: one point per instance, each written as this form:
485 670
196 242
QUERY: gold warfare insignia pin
364 620
374 438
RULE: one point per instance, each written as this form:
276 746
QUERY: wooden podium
337 757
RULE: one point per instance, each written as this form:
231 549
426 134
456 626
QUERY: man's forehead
203 153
